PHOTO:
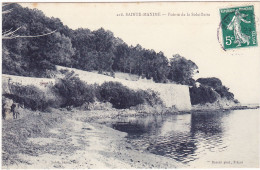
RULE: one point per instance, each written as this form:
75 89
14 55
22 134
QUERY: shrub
29 96
74 92
212 82
150 97
223 91
217 85
118 95
64 71
202 95
121 97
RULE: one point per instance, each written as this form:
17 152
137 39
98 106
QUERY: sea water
206 139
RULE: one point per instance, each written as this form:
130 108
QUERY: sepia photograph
120 85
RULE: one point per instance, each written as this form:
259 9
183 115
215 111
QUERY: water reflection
208 123
181 137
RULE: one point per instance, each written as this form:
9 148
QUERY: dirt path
77 144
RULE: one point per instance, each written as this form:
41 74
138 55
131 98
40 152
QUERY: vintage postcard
130 85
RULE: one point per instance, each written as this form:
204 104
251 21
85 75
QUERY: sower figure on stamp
235 25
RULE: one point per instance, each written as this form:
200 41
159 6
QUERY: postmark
238 27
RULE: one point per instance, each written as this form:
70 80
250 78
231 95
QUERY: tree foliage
209 90
29 96
202 95
73 92
217 85
34 56
84 49
181 69
212 82
121 97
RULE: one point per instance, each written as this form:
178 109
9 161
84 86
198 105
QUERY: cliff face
173 95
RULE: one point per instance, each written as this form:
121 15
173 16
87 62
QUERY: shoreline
226 108
78 139
95 115
71 142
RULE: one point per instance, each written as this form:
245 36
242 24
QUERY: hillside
172 95
209 94
96 51
83 49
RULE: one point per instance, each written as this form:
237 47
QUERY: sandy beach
75 141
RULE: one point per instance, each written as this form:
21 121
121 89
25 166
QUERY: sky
193 37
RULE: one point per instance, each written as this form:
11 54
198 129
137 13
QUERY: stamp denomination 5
238 27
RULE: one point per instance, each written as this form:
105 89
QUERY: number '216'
229 40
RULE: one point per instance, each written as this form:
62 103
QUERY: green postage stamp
238 27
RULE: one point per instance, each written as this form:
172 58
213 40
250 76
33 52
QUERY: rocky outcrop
221 103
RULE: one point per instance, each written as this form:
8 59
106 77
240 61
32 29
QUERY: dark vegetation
210 90
82 49
217 85
122 97
202 95
72 92
90 50
29 96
